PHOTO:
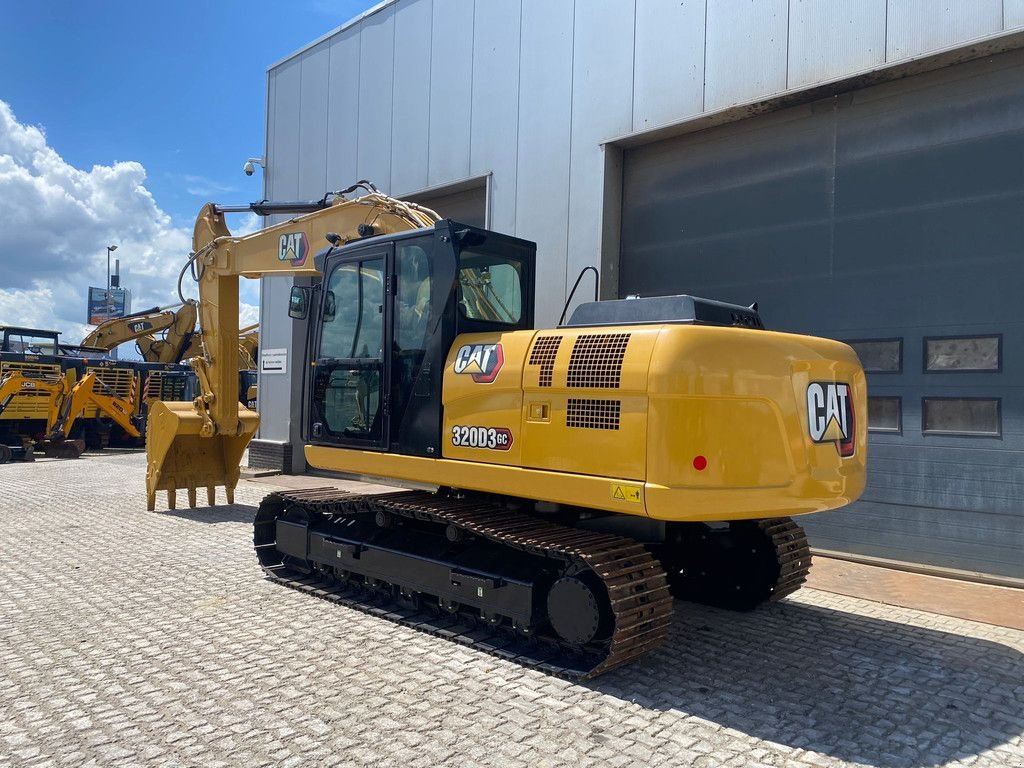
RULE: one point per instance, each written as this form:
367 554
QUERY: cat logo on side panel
481 361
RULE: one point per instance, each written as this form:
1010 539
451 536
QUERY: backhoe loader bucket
179 457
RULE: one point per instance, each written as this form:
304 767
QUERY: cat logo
293 247
140 326
830 416
481 361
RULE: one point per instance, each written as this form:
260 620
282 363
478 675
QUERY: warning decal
629 493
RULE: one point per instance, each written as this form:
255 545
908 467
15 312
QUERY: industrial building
856 168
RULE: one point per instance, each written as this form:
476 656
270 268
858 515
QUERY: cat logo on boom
293 247
481 361
830 416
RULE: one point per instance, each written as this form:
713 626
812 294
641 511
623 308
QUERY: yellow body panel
675 422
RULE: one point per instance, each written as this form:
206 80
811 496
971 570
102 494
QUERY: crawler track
792 552
620 577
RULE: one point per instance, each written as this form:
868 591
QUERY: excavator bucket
179 456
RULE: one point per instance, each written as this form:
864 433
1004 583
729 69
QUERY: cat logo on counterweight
830 417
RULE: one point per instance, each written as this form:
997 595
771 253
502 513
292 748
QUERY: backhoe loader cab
388 313
28 341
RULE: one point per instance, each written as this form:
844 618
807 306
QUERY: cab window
490 287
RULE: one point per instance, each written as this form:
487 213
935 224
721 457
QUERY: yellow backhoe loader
585 473
66 402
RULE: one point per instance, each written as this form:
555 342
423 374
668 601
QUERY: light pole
109 249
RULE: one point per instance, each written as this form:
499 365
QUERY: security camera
250 165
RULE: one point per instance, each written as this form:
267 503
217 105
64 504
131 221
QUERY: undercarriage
566 600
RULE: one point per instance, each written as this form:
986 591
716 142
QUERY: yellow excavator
585 474
66 402
176 323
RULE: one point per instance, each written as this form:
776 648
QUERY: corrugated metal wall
888 213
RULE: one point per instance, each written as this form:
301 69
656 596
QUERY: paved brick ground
129 637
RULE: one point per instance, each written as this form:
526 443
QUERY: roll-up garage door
892 218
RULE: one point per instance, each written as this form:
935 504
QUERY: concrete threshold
986 603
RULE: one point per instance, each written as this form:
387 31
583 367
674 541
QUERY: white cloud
56 222
200 186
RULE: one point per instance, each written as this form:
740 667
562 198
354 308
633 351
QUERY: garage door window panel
962 416
879 355
885 415
963 354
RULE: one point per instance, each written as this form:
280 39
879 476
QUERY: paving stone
140 638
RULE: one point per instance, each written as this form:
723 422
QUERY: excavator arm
200 444
179 338
177 322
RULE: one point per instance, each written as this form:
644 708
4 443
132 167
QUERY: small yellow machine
585 474
66 402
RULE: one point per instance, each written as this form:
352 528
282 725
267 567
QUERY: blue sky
118 120
179 87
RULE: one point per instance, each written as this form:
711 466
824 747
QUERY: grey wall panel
283 163
376 80
343 110
411 100
668 61
746 51
602 106
829 39
451 91
542 192
283 183
1013 14
313 121
919 26
495 130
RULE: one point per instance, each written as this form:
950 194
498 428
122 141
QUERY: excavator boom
176 322
200 444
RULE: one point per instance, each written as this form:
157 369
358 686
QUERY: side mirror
298 302
329 305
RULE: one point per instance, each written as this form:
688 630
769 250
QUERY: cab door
350 380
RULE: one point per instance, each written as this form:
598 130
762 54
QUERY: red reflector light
700 463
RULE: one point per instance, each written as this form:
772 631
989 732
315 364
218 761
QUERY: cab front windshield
30 344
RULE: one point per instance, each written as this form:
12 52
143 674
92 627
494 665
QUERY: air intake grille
592 414
544 351
596 360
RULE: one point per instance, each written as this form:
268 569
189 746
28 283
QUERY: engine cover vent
545 349
592 414
596 360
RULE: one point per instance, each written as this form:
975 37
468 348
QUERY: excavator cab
388 311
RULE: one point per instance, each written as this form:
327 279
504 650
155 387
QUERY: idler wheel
574 610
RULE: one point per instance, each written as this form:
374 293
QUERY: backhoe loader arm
83 394
201 444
